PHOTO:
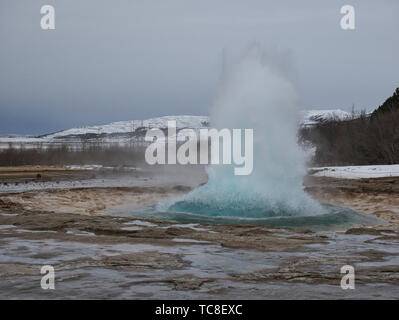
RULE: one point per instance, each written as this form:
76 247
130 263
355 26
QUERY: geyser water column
256 93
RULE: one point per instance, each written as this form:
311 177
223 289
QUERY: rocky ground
69 219
378 196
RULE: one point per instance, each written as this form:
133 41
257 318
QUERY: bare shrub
361 141
107 155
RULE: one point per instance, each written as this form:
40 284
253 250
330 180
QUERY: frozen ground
358 172
74 184
121 258
112 256
94 176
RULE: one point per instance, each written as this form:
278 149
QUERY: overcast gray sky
111 60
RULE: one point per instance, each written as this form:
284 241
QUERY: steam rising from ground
257 93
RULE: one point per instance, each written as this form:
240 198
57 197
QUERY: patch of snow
9 214
189 240
358 172
312 117
85 167
35 231
73 184
132 228
6 226
80 233
141 223
193 226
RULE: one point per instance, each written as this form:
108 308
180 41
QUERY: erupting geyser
257 93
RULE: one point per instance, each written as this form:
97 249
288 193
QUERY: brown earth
377 196
33 222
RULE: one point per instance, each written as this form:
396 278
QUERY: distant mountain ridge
134 129
132 126
309 117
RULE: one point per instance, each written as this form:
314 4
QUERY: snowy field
75 184
358 172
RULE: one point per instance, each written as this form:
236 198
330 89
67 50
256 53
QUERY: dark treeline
111 155
390 104
367 139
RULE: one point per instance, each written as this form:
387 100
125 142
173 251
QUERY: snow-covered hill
131 126
312 117
309 117
133 129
